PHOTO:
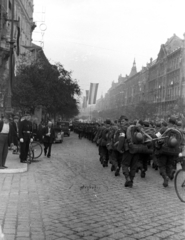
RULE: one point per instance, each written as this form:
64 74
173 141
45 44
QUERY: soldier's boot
156 167
132 181
171 177
117 172
143 174
112 168
153 165
128 182
165 183
101 159
138 168
105 162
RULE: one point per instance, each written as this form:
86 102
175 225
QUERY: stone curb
16 170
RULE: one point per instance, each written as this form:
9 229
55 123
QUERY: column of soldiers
133 146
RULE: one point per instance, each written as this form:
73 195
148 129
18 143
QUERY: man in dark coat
25 136
15 133
48 138
5 140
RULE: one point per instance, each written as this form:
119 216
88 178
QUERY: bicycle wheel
180 184
37 149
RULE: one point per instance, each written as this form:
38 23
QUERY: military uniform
25 135
166 162
130 160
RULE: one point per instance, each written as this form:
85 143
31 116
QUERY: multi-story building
23 26
161 83
22 29
166 76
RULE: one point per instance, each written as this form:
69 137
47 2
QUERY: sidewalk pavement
14 165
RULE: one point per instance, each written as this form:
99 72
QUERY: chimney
151 60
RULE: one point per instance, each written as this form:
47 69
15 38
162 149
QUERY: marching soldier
164 152
131 156
118 152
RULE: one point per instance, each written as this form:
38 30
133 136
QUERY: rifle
150 139
155 139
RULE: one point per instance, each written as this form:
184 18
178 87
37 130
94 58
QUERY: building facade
166 76
160 83
23 27
22 30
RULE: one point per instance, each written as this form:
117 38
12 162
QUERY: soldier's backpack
136 140
171 144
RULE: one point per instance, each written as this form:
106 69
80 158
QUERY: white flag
93 93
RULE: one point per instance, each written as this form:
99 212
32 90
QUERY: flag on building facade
93 93
84 105
16 36
87 95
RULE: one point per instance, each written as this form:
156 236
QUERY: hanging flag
84 105
15 62
16 36
93 93
87 95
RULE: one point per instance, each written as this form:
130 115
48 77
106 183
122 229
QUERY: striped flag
93 93
84 102
87 95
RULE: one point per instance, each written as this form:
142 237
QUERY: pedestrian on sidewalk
41 126
15 134
5 140
48 138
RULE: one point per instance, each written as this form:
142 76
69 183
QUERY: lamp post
10 79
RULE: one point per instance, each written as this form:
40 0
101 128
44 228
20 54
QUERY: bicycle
35 151
179 180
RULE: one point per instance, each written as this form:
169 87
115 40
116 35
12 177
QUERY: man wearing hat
25 136
5 140
48 138
15 134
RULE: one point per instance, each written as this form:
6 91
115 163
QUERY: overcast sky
98 39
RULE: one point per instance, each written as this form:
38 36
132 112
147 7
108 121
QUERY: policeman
25 136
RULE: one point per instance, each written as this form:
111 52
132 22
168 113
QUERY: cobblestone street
71 196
